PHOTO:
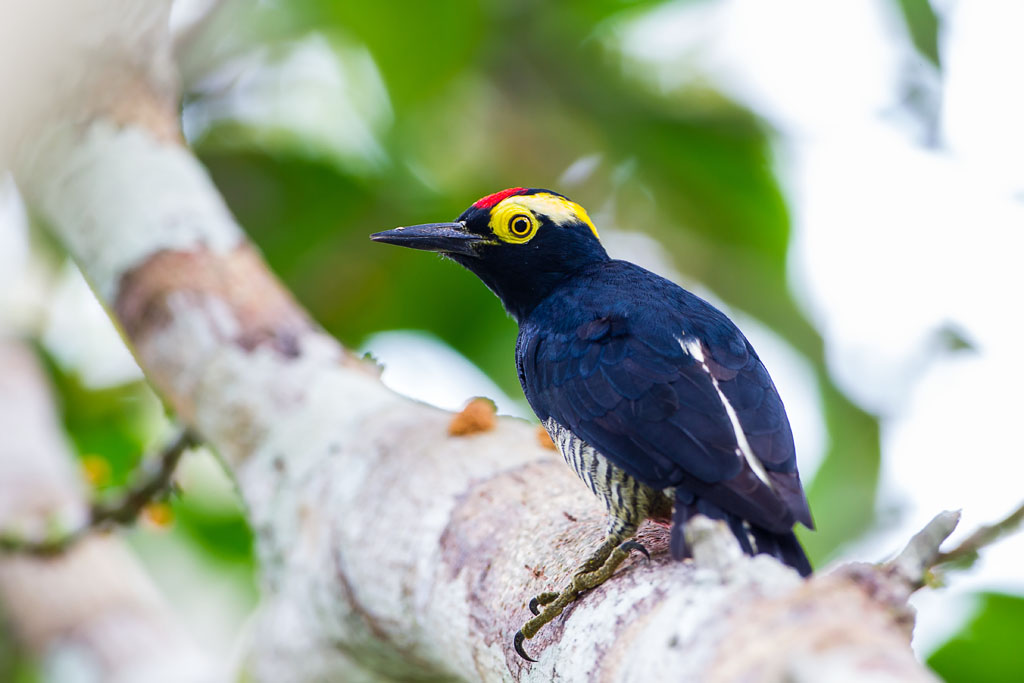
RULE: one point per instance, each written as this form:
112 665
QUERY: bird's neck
522 286
520 298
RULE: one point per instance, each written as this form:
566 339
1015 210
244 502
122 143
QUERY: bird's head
520 242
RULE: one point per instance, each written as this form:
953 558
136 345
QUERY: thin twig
919 555
966 553
124 511
137 497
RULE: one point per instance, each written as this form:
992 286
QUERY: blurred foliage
117 425
15 665
109 427
989 649
111 430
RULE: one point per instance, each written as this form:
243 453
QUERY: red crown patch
493 199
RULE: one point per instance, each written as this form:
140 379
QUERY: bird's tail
752 539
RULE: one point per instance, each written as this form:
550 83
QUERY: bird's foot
589 576
637 546
541 600
553 604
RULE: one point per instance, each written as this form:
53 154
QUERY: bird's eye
519 225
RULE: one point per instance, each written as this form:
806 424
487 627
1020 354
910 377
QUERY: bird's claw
591 573
634 545
541 600
517 642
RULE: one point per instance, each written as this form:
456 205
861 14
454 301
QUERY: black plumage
653 395
605 355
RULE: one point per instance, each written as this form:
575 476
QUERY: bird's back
667 388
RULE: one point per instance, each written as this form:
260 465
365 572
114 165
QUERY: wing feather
657 410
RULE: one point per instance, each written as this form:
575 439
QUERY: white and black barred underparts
625 498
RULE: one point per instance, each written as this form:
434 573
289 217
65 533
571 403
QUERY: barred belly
627 500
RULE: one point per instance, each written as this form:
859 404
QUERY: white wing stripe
691 345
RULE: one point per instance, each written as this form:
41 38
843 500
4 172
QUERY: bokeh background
844 178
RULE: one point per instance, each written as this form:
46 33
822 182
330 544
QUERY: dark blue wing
654 396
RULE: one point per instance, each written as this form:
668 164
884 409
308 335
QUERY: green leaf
988 650
923 26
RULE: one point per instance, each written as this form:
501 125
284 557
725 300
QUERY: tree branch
90 613
154 479
914 562
966 553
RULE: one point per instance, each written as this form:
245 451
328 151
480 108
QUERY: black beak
449 238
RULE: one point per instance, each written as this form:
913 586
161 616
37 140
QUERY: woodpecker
653 396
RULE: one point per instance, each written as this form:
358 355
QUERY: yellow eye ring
513 223
520 225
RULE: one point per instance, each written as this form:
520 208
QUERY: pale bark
90 614
389 549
